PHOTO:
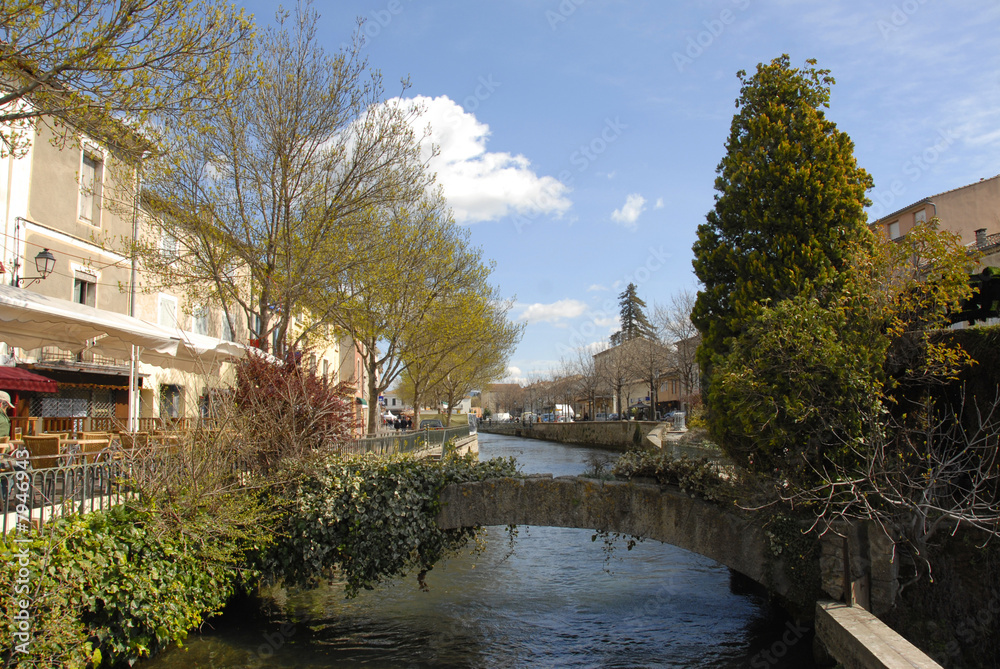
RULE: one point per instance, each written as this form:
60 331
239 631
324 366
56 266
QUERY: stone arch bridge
734 539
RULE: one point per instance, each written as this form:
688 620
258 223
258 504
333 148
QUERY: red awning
15 378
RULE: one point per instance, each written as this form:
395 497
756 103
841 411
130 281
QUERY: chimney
981 237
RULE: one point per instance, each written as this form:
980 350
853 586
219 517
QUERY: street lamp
45 262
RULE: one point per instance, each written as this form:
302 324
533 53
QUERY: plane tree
426 258
264 200
91 64
459 326
481 360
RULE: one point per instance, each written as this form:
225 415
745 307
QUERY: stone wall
859 640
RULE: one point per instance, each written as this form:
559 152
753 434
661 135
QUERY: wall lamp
45 262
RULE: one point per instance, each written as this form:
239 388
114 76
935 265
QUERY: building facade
78 204
972 211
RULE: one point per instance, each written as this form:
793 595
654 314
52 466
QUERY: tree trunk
373 405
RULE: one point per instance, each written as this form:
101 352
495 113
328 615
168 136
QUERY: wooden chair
91 450
95 435
130 440
43 449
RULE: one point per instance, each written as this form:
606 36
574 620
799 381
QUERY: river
556 598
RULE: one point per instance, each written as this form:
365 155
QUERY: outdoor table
74 447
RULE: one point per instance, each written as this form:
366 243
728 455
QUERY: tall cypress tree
633 318
789 208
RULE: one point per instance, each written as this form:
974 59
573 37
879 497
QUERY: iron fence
32 491
31 497
413 441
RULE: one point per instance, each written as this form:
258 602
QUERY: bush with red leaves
286 410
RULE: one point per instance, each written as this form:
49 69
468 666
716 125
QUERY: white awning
29 320
197 353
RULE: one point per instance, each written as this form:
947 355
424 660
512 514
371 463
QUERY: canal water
555 598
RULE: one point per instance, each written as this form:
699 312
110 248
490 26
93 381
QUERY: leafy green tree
467 324
634 322
481 361
789 209
87 64
426 259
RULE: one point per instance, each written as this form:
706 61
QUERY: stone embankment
619 435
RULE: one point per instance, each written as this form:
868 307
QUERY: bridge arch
642 510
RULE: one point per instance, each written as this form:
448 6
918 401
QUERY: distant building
972 211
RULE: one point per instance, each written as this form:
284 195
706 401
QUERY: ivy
371 518
111 586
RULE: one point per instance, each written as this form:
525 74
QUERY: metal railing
32 491
413 441
31 497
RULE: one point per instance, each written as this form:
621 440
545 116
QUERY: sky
579 139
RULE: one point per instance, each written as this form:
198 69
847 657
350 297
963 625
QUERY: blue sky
579 138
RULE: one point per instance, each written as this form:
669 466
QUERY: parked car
601 416
431 424
613 416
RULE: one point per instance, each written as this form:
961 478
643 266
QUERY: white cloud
595 347
480 185
514 372
552 313
627 216
659 203
596 288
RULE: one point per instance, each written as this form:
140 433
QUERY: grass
456 419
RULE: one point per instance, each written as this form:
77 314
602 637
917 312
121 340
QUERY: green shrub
697 477
110 586
367 519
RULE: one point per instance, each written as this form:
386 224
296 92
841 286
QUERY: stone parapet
859 640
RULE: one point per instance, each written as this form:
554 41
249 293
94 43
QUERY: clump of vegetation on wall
368 519
699 477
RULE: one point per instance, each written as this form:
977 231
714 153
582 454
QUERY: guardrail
413 441
30 495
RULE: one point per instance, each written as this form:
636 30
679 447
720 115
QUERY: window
85 289
894 230
920 217
168 246
199 320
168 311
326 369
170 401
91 178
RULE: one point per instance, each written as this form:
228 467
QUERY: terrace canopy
30 320
20 380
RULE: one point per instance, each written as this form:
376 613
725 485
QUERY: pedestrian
5 404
